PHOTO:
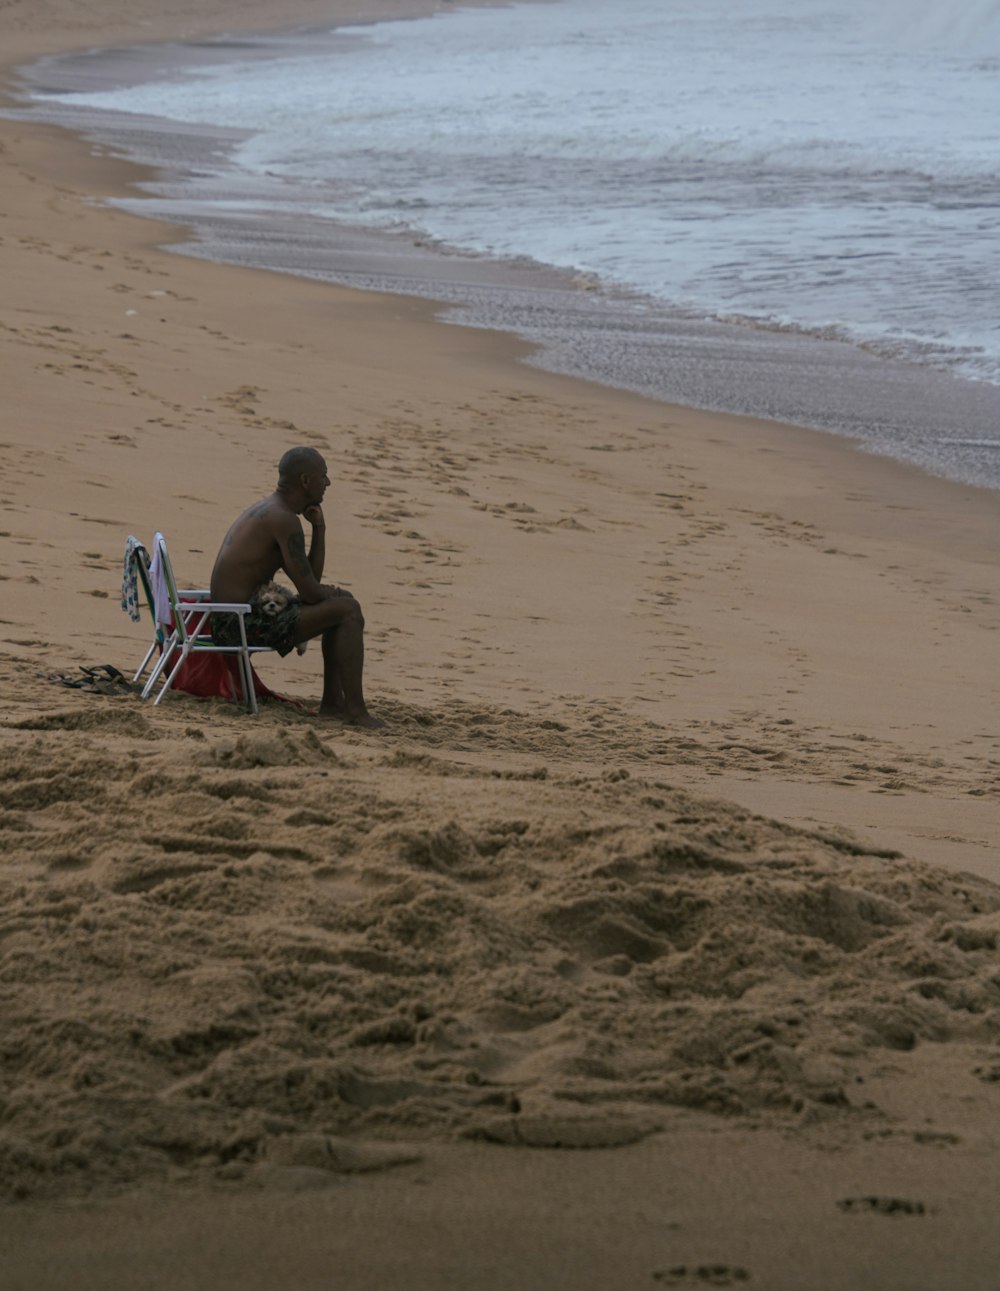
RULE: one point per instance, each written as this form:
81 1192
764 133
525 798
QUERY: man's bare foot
366 721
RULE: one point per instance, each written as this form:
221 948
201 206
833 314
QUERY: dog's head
272 599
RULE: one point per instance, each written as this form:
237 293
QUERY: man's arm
317 547
294 561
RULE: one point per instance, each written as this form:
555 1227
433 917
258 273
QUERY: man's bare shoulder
272 514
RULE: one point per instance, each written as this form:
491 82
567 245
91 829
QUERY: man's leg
333 688
340 622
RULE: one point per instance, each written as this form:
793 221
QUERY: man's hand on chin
314 515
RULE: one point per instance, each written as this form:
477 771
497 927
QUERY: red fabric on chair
216 676
213 676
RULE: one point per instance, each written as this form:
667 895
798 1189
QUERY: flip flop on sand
102 679
105 672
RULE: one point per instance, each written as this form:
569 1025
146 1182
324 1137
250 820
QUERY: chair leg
145 662
185 651
166 651
249 690
246 671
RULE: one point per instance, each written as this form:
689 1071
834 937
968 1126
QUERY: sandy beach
653 943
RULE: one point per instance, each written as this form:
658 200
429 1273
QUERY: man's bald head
298 462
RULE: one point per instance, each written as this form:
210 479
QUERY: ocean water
757 174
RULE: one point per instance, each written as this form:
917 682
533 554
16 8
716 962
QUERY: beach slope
656 941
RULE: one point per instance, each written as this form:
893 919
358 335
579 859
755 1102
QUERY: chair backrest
141 558
163 571
136 586
186 623
167 569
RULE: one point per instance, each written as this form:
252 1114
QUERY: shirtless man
269 536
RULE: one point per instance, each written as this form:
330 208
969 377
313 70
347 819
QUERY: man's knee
356 614
348 610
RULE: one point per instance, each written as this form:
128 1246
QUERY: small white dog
272 599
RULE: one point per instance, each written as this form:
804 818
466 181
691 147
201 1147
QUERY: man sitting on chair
269 536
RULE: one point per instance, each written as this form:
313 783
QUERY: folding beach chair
136 578
183 619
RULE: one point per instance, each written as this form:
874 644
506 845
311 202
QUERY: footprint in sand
711 1275
331 1156
564 1132
881 1206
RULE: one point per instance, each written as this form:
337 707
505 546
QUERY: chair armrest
214 607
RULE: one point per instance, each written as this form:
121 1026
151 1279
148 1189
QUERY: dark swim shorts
276 631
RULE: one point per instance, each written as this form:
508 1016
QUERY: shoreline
34 32
936 420
669 692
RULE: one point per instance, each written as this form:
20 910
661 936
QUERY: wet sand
654 944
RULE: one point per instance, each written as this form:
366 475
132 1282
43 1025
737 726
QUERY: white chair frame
191 609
